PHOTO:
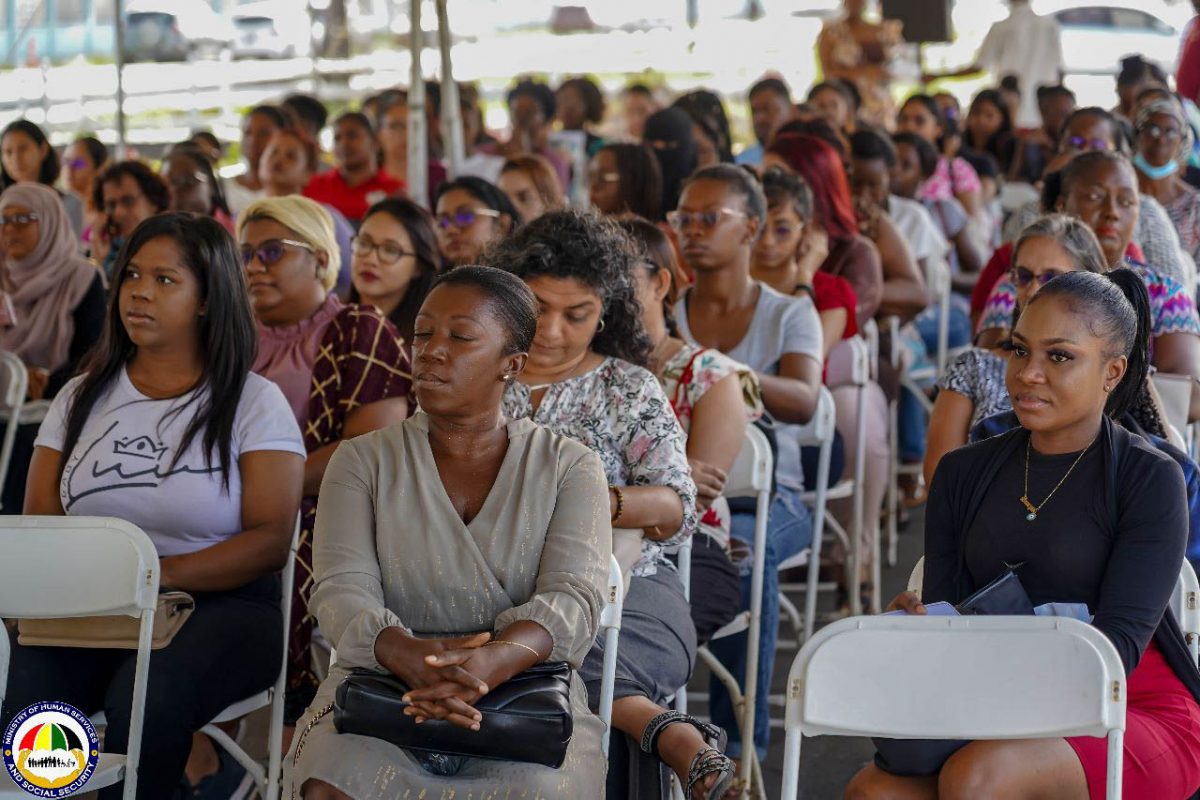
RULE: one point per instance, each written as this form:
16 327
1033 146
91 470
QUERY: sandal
704 763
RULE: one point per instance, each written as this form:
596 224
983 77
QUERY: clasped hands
446 676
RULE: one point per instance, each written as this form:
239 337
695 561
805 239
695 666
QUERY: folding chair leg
226 743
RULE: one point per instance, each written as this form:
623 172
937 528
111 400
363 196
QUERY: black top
1113 536
89 318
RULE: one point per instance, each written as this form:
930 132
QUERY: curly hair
583 246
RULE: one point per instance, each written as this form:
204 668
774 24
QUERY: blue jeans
789 530
911 416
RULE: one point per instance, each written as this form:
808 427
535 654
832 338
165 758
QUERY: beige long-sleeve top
390 550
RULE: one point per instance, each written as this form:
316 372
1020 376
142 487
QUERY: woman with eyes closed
514 516
586 379
396 261
472 214
172 368
343 368
1095 516
1100 188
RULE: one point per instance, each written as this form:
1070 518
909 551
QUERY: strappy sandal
706 762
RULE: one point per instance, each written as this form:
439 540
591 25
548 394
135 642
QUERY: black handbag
527 718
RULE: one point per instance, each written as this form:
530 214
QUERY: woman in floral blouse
585 379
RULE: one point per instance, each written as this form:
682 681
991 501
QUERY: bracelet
515 644
620 502
806 288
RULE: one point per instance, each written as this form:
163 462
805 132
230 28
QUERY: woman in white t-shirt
168 428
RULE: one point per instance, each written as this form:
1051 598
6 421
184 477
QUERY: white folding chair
98 566
14 384
610 624
963 678
1186 603
268 780
750 476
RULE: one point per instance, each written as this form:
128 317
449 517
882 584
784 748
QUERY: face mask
1155 173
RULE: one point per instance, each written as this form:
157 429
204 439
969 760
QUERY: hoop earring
600 327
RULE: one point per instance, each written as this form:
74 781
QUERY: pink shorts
1162 737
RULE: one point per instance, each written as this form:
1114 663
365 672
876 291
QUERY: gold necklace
1033 510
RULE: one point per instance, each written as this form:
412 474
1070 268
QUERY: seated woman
26 155
1164 142
585 379
58 305
954 177
342 368
83 161
288 162
358 181
707 391
396 261
625 180
1095 515
532 185
1100 188
719 218
258 126
529 506
472 214
193 185
173 369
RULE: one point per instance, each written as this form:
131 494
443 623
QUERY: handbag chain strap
300 742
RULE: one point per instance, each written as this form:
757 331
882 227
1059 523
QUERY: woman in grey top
455 550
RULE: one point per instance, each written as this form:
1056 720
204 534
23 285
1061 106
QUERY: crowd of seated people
471 402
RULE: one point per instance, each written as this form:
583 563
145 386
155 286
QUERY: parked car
1096 36
160 30
267 30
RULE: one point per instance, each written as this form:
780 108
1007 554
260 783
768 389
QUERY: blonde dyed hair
306 218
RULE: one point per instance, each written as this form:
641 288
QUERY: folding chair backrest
1174 392
751 471
823 423
957 678
75 567
1186 604
14 381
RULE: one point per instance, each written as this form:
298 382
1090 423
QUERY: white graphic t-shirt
126 463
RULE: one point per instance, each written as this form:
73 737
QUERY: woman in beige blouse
455 550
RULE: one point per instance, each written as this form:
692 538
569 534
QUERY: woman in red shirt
359 180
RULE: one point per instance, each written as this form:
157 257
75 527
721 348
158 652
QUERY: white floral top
620 411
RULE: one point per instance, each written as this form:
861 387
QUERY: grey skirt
657 647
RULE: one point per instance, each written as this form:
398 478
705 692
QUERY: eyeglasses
465 218
18 220
76 163
187 180
1159 132
783 230
1083 143
1022 277
386 252
681 220
603 177
126 202
270 252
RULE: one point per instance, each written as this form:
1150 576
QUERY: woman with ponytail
1096 516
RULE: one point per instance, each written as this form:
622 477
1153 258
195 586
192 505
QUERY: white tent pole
418 139
452 125
119 30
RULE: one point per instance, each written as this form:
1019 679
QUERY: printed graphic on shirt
124 459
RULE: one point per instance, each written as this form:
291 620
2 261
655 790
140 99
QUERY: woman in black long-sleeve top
1095 515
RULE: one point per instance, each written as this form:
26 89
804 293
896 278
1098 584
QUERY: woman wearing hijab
669 134
52 309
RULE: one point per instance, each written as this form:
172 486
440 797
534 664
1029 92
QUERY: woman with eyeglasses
1164 142
53 302
343 368
472 214
1100 188
84 160
193 185
127 194
359 180
396 261
289 160
625 181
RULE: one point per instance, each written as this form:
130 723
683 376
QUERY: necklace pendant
1030 517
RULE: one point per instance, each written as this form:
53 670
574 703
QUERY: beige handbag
117 632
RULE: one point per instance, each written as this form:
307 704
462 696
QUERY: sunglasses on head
680 220
271 251
1022 276
465 218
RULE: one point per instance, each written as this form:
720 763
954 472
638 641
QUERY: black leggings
229 649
